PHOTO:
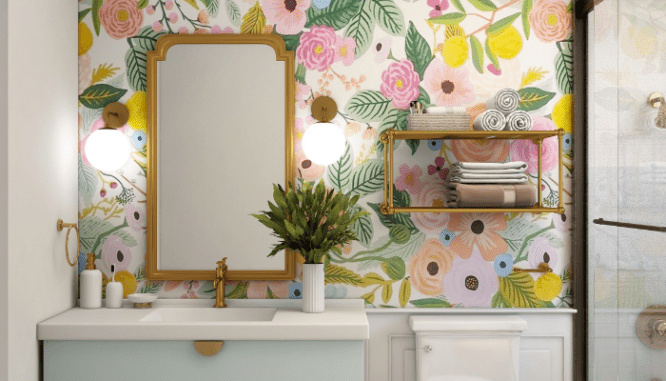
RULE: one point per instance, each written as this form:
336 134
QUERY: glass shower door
627 184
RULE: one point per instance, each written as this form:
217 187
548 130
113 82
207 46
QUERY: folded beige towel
491 195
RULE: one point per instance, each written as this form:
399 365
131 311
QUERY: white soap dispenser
91 285
114 291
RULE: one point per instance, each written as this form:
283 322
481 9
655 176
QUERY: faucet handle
222 263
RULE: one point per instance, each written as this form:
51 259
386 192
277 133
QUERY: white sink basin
229 314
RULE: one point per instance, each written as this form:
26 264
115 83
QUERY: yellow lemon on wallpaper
548 287
562 113
456 51
137 111
507 44
640 42
85 38
128 281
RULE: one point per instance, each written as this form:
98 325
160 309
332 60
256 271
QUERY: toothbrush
113 273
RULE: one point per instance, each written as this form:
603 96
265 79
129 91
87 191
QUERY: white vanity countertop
342 320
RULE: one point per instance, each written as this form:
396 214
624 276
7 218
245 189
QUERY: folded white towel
490 120
493 166
488 181
493 176
506 101
519 121
457 171
446 110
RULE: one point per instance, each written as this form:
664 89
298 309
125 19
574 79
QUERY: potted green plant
311 221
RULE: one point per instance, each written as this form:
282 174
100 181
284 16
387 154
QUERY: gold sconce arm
60 225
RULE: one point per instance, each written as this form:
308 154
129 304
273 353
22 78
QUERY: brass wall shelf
537 137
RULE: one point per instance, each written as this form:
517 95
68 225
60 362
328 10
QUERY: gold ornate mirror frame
159 54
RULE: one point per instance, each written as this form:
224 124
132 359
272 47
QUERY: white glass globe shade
107 149
323 143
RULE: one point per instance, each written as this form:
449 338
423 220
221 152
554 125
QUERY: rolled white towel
519 121
489 120
440 110
506 101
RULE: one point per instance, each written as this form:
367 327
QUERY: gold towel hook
543 268
69 227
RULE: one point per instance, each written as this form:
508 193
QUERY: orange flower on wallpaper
429 266
487 151
478 229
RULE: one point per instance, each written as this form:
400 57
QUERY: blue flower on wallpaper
567 143
296 290
321 4
139 139
434 145
335 292
446 237
503 265
83 261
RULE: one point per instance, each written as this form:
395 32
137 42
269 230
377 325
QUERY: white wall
42 171
4 285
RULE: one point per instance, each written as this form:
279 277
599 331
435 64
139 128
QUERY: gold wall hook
61 225
656 99
543 268
208 348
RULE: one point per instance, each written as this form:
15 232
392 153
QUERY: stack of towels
490 185
440 119
502 114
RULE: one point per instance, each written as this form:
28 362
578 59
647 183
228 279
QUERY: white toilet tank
467 347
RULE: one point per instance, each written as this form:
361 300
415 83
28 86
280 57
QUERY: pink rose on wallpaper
115 252
410 179
428 267
471 282
287 15
447 86
85 72
525 150
437 7
400 83
550 20
302 93
259 289
121 18
433 194
316 50
345 50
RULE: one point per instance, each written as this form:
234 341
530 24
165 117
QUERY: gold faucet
218 283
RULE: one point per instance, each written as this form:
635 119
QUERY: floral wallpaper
373 57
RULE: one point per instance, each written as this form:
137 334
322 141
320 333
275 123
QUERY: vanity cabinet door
178 361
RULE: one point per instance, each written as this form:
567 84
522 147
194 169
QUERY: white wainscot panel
546 347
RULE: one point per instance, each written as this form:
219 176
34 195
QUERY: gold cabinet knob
208 348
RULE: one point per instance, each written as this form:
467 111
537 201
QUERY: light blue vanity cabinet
275 360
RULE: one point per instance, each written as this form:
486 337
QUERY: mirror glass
221 129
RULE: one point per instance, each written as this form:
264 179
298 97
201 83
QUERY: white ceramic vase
313 288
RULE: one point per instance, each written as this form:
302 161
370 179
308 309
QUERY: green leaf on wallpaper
388 16
141 4
254 20
564 67
448 18
387 292
150 287
498 301
423 97
532 98
417 50
477 53
135 59
337 15
458 5
300 73
87 182
335 274
368 106
393 250
100 95
413 145
363 228
554 238
518 290
500 25
367 178
394 267
369 297
193 3
483 5
90 228
370 279
233 12
395 119
339 173
145 40
291 41
96 5
405 292
430 303
239 291
527 8
491 56
360 28
83 14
